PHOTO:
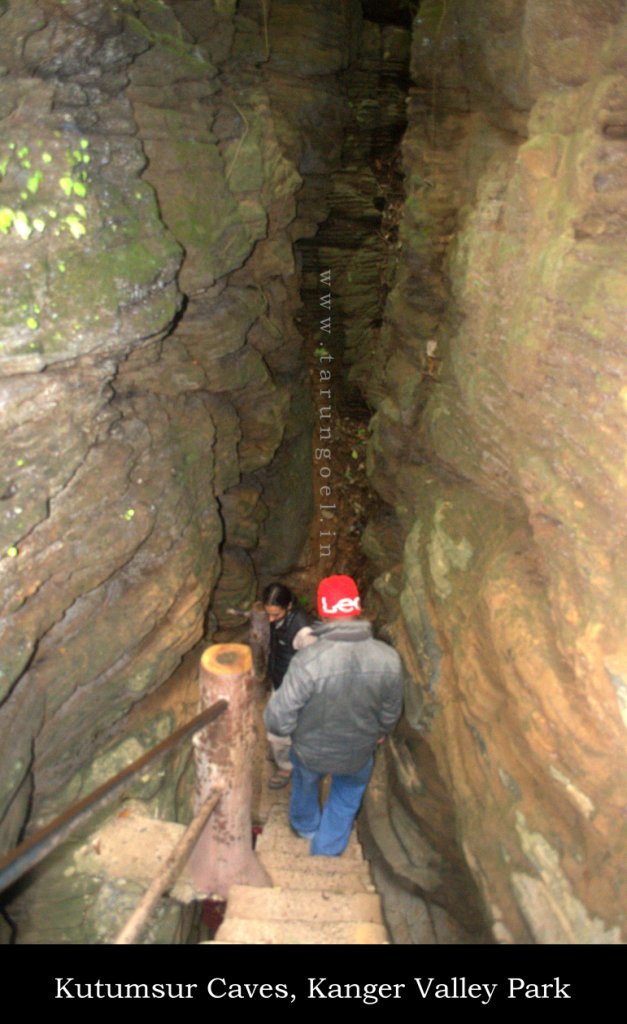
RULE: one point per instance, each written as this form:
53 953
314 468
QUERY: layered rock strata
154 391
159 162
499 445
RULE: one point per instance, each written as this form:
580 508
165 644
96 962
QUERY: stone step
288 843
282 827
253 903
332 882
250 932
131 846
320 900
277 814
314 866
228 942
277 827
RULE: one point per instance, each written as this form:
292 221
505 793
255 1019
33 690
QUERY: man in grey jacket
339 698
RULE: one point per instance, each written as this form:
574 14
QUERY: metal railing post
224 755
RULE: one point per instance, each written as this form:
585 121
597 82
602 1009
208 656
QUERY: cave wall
353 242
498 446
158 161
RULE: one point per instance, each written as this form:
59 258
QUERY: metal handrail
33 850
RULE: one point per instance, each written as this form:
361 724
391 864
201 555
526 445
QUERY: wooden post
224 756
259 639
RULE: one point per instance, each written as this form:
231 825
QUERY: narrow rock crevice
176 183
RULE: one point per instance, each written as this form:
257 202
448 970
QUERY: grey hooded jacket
338 697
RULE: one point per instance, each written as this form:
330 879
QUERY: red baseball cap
338 598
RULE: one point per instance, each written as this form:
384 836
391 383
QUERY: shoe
302 835
279 779
307 836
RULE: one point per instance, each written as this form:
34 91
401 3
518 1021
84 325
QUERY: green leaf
75 225
21 225
7 217
33 182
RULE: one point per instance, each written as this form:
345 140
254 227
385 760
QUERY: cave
294 287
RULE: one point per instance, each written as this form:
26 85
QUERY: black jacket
282 643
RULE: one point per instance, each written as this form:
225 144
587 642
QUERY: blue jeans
330 828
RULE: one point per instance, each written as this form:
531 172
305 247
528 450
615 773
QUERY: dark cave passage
248 242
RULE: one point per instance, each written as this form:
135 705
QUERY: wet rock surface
153 385
171 176
499 443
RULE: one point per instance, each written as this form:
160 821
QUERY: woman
290 629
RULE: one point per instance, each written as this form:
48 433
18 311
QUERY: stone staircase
313 900
321 900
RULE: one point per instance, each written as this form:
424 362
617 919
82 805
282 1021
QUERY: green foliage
7 217
72 184
76 226
22 225
33 182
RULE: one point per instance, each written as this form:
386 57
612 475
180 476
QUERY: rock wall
158 163
353 242
154 171
498 445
